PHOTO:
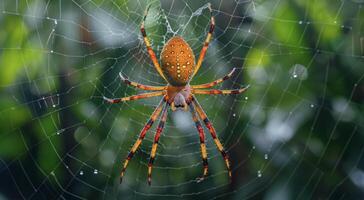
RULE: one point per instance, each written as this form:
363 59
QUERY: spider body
177 61
178 64
177 68
178 96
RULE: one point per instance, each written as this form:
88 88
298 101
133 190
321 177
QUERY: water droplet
182 52
55 22
246 98
166 56
81 172
312 105
53 106
234 115
300 22
96 172
253 147
184 66
51 51
259 173
266 156
172 52
299 71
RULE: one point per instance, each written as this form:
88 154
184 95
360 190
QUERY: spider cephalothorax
177 68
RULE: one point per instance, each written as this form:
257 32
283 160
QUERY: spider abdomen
177 61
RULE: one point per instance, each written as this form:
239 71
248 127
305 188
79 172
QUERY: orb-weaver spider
177 69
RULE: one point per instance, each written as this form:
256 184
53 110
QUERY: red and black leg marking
140 86
202 141
209 85
135 97
156 140
149 47
207 42
215 91
142 134
212 131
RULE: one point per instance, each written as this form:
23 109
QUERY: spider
177 68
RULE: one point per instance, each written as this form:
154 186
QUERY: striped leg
146 127
214 91
155 143
138 85
135 97
202 141
206 44
149 48
209 85
212 131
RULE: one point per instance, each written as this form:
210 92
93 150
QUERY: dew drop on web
259 173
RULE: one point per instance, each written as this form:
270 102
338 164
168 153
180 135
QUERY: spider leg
173 106
207 42
135 97
202 141
140 86
142 134
212 131
215 91
156 140
211 84
149 48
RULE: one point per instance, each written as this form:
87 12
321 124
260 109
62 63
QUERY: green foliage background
58 139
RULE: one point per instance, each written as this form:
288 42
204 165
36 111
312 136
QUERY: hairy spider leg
149 48
212 131
142 134
156 140
215 91
138 85
135 97
207 42
211 84
202 140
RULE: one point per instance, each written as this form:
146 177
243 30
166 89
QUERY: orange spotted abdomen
177 61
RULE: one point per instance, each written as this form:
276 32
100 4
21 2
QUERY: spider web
290 136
